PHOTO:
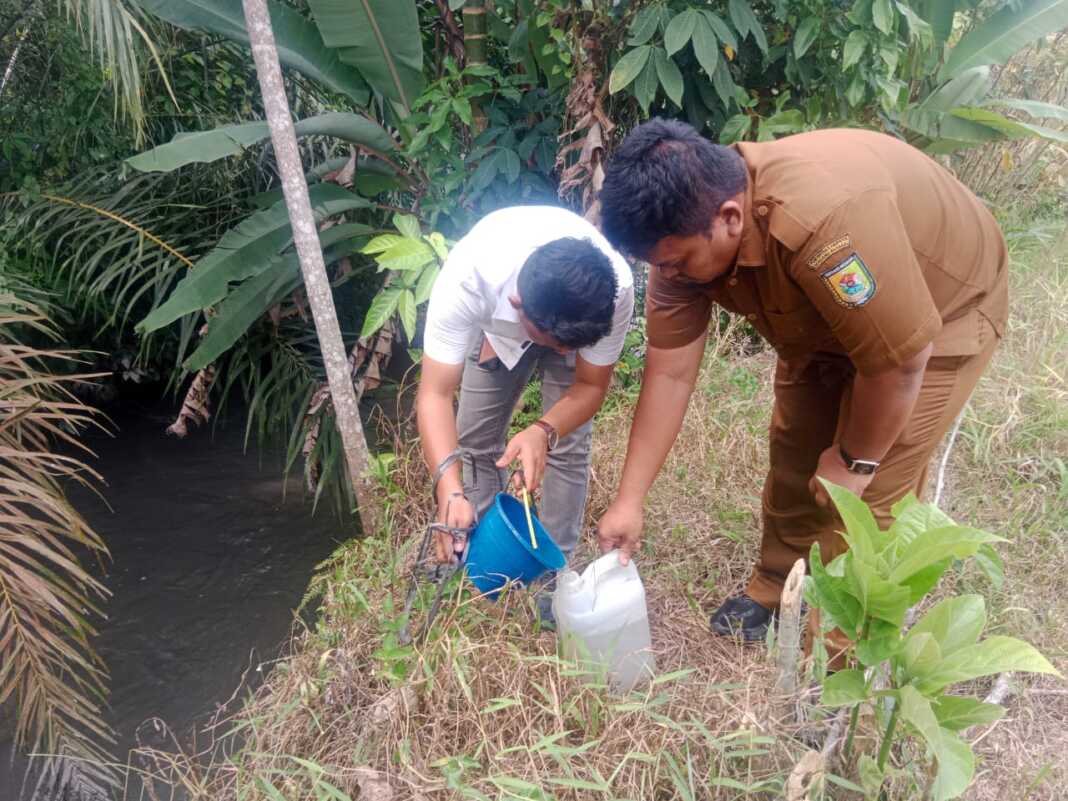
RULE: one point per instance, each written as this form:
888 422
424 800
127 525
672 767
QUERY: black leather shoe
543 603
744 618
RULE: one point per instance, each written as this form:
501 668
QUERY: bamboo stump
789 639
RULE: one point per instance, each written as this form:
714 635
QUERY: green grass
486 710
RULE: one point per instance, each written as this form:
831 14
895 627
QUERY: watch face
862 467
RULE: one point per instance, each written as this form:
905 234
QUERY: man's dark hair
666 180
568 290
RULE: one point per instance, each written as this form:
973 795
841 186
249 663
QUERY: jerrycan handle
608 567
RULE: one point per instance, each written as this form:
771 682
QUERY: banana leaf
204 147
998 38
380 38
250 301
243 252
300 45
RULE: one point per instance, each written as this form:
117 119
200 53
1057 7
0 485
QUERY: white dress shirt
471 294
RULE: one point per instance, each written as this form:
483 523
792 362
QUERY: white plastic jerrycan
601 619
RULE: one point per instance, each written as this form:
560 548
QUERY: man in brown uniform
879 279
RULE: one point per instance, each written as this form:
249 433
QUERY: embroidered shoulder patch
850 281
829 250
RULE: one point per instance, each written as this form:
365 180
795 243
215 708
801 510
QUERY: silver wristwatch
864 467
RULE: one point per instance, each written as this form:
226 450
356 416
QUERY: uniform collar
751 248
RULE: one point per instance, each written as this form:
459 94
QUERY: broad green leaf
644 26
1000 36
879 598
882 12
856 91
669 75
381 38
426 283
931 547
245 305
735 129
990 563
628 68
992 655
956 713
509 164
1034 108
911 518
679 30
966 89
441 247
830 594
923 581
382 308
844 688
408 254
855 45
890 54
204 147
300 45
407 313
1013 129
706 47
382 243
882 643
200 147
956 763
723 83
722 29
920 653
956 767
919 29
785 122
645 85
805 35
861 531
746 21
244 251
871 775
408 225
954 623
941 13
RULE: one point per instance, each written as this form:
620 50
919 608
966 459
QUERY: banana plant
866 593
957 113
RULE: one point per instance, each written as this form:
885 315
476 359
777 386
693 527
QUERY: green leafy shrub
867 592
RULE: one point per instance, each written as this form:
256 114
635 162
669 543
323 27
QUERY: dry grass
486 710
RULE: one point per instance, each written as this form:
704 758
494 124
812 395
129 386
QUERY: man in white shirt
529 287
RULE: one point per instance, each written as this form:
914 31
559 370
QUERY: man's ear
516 301
731 213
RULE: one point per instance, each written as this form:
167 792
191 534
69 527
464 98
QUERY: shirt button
762 211
732 282
751 316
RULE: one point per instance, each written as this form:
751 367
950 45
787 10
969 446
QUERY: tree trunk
10 69
474 16
310 254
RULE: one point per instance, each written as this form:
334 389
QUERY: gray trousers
488 395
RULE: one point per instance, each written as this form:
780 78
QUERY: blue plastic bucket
500 549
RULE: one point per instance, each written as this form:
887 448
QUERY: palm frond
47 598
114 34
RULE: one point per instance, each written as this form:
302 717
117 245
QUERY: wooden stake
789 639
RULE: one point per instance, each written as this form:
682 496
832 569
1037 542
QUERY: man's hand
455 511
832 468
531 447
621 527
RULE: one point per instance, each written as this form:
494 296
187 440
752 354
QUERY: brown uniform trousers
811 409
857 252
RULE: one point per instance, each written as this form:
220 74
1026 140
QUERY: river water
209 560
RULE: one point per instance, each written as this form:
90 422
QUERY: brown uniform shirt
853 243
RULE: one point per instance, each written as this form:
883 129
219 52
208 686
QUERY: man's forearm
437 433
880 408
657 421
577 405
